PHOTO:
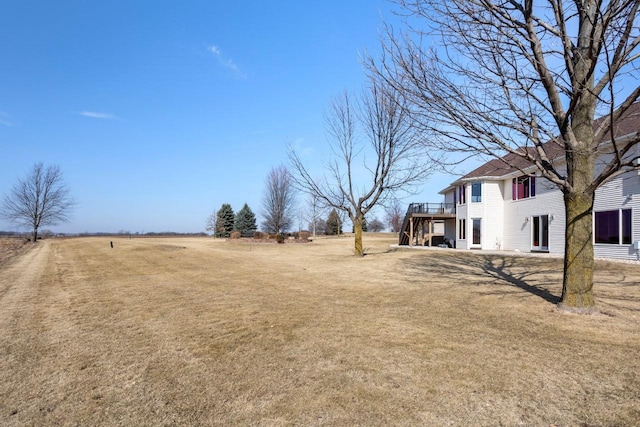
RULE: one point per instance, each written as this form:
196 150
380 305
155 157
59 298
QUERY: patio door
540 233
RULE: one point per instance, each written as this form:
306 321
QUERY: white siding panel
448 197
518 213
450 229
492 215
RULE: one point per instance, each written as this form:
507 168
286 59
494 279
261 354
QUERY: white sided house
499 207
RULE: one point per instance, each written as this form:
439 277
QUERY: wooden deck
419 221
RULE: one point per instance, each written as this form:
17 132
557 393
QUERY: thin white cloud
96 115
5 119
225 62
300 146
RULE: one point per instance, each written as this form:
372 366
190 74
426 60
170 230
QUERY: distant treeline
148 234
11 234
99 234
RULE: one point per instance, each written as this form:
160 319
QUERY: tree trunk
35 235
577 283
357 229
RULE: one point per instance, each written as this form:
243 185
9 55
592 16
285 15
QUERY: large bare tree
278 202
509 76
362 175
41 198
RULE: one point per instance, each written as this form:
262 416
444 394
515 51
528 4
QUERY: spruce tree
225 222
246 221
334 225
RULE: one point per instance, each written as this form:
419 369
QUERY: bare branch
41 198
376 153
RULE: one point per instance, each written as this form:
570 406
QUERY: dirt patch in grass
200 331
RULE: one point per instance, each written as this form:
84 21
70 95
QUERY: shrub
304 236
258 235
235 234
280 238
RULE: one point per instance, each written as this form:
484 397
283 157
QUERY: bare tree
41 198
278 203
212 222
362 176
526 78
375 225
313 213
394 215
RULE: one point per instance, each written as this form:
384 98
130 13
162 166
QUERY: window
476 192
626 226
613 227
523 187
476 231
462 189
462 229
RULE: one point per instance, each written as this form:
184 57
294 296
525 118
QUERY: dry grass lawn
205 332
11 247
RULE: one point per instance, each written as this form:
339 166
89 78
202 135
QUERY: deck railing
432 208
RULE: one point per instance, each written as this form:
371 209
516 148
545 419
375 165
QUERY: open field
205 332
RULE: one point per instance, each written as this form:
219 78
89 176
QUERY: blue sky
159 111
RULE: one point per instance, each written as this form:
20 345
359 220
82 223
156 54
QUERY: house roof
512 163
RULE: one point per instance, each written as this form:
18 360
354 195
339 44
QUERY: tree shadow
500 270
469 269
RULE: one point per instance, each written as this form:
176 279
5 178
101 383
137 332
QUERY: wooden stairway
405 230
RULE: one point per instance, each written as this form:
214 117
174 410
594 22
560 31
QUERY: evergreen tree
246 221
334 225
225 222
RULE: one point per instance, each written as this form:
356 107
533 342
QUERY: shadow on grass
466 269
499 267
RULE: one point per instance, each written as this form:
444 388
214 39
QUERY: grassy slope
196 331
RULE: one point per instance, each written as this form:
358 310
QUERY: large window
476 192
613 227
462 229
523 187
462 196
476 231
